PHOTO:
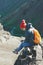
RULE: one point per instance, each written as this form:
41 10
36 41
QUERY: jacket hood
29 25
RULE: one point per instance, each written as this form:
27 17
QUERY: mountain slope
13 11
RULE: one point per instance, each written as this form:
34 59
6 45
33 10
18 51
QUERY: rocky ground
7 44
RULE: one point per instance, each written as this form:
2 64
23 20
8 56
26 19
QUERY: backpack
37 37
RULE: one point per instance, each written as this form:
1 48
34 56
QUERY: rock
1 26
2 39
38 52
38 60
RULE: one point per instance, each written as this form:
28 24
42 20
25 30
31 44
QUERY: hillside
13 11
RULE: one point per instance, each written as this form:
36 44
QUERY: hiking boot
15 51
